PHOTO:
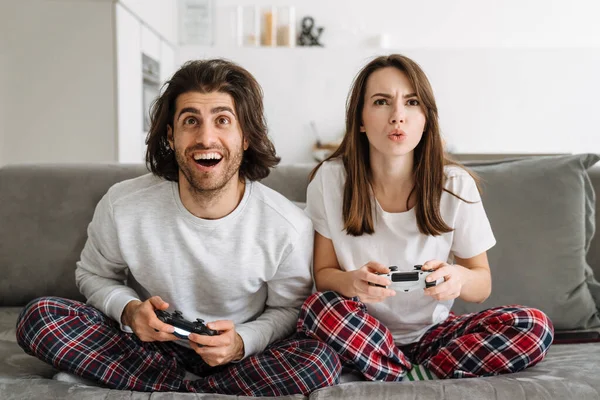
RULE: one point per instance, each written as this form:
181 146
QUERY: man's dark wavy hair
206 76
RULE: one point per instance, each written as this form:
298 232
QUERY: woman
388 196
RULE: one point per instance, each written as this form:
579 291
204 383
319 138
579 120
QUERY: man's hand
142 320
219 349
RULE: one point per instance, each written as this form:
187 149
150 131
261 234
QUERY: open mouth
208 159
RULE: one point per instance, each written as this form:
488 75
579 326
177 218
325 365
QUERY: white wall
60 81
129 84
510 76
161 15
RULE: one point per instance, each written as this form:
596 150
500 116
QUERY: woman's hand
453 279
364 279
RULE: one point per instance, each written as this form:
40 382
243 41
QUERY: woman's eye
380 102
413 102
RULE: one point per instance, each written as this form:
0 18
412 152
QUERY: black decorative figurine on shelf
306 37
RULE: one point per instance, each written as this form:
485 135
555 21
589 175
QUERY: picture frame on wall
196 25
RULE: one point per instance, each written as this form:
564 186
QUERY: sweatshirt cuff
116 304
254 341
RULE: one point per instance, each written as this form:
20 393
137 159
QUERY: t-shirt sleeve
472 231
315 203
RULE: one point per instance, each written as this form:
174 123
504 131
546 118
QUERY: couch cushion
567 372
542 213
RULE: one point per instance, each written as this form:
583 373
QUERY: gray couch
542 211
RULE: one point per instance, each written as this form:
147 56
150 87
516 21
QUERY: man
199 235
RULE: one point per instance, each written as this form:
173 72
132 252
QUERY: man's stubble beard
201 189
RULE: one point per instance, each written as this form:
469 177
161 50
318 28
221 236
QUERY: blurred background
514 76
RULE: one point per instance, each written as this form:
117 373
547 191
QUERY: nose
206 135
398 115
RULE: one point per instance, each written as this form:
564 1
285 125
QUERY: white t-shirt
397 241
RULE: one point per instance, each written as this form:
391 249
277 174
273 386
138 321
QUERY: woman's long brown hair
429 156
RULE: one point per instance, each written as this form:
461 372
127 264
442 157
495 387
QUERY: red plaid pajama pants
80 339
495 341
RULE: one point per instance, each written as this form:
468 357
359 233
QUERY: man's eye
222 120
413 102
380 102
189 121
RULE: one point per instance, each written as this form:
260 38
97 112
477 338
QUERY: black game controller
183 327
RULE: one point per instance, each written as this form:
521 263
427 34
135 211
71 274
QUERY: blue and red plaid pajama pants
495 341
80 339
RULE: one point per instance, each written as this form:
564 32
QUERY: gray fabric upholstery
542 213
45 210
593 255
290 180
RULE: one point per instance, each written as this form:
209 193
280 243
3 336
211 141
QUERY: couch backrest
44 214
45 211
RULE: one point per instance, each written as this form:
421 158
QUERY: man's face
207 140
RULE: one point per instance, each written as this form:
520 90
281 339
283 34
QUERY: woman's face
392 117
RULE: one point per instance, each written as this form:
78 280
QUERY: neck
393 182
392 177
212 204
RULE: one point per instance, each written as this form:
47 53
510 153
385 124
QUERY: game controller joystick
183 327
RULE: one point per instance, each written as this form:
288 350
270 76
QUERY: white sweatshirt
252 266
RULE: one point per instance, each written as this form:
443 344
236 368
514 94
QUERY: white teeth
207 156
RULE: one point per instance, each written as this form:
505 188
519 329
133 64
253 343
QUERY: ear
362 129
170 137
246 144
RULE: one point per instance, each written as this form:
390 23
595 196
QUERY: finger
441 292
375 291
377 279
155 323
221 325
158 303
376 267
432 265
160 326
438 273
433 291
209 341
164 337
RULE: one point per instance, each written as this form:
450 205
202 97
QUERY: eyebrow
389 96
214 110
